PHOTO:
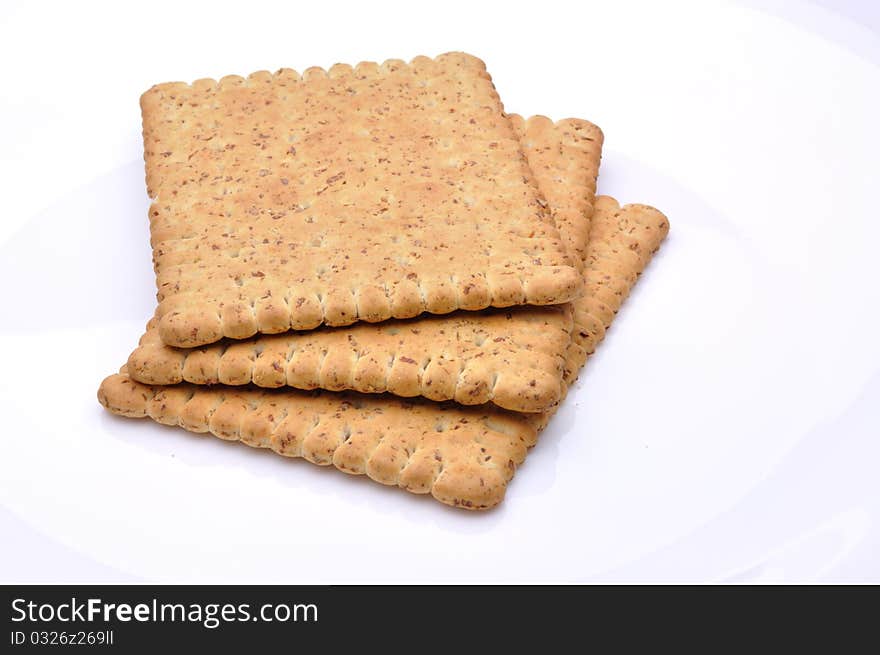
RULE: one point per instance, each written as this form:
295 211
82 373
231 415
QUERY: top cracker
357 194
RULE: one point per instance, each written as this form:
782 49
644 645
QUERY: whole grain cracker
564 158
354 194
513 358
463 456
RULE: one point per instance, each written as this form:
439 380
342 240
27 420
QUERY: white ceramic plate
726 429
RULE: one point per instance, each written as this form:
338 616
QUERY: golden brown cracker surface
286 201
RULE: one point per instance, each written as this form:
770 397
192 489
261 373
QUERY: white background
726 430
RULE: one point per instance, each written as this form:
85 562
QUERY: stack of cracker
375 268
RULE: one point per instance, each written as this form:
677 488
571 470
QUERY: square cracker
513 357
463 456
354 194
